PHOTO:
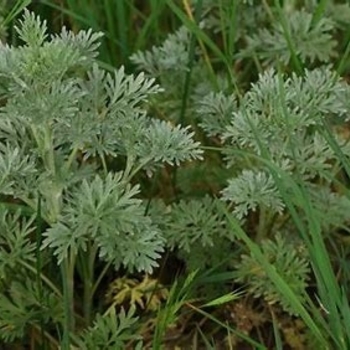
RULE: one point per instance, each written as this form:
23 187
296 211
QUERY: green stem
67 272
100 277
132 173
88 278
104 165
263 218
187 83
129 172
47 335
38 233
49 151
43 277
71 157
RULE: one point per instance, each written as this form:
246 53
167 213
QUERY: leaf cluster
109 331
290 262
63 119
275 126
73 137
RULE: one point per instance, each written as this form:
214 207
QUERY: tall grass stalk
230 330
16 9
128 25
178 296
328 318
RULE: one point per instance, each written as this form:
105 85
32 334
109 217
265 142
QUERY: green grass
128 26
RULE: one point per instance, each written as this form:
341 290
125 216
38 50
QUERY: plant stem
100 277
261 233
42 276
88 276
53 342
67 272
38 234
71 158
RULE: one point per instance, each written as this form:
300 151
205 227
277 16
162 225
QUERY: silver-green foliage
276 127
61 105
110 331
197 229
64 124
171 56
284 117
311 40
289 261
107 211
